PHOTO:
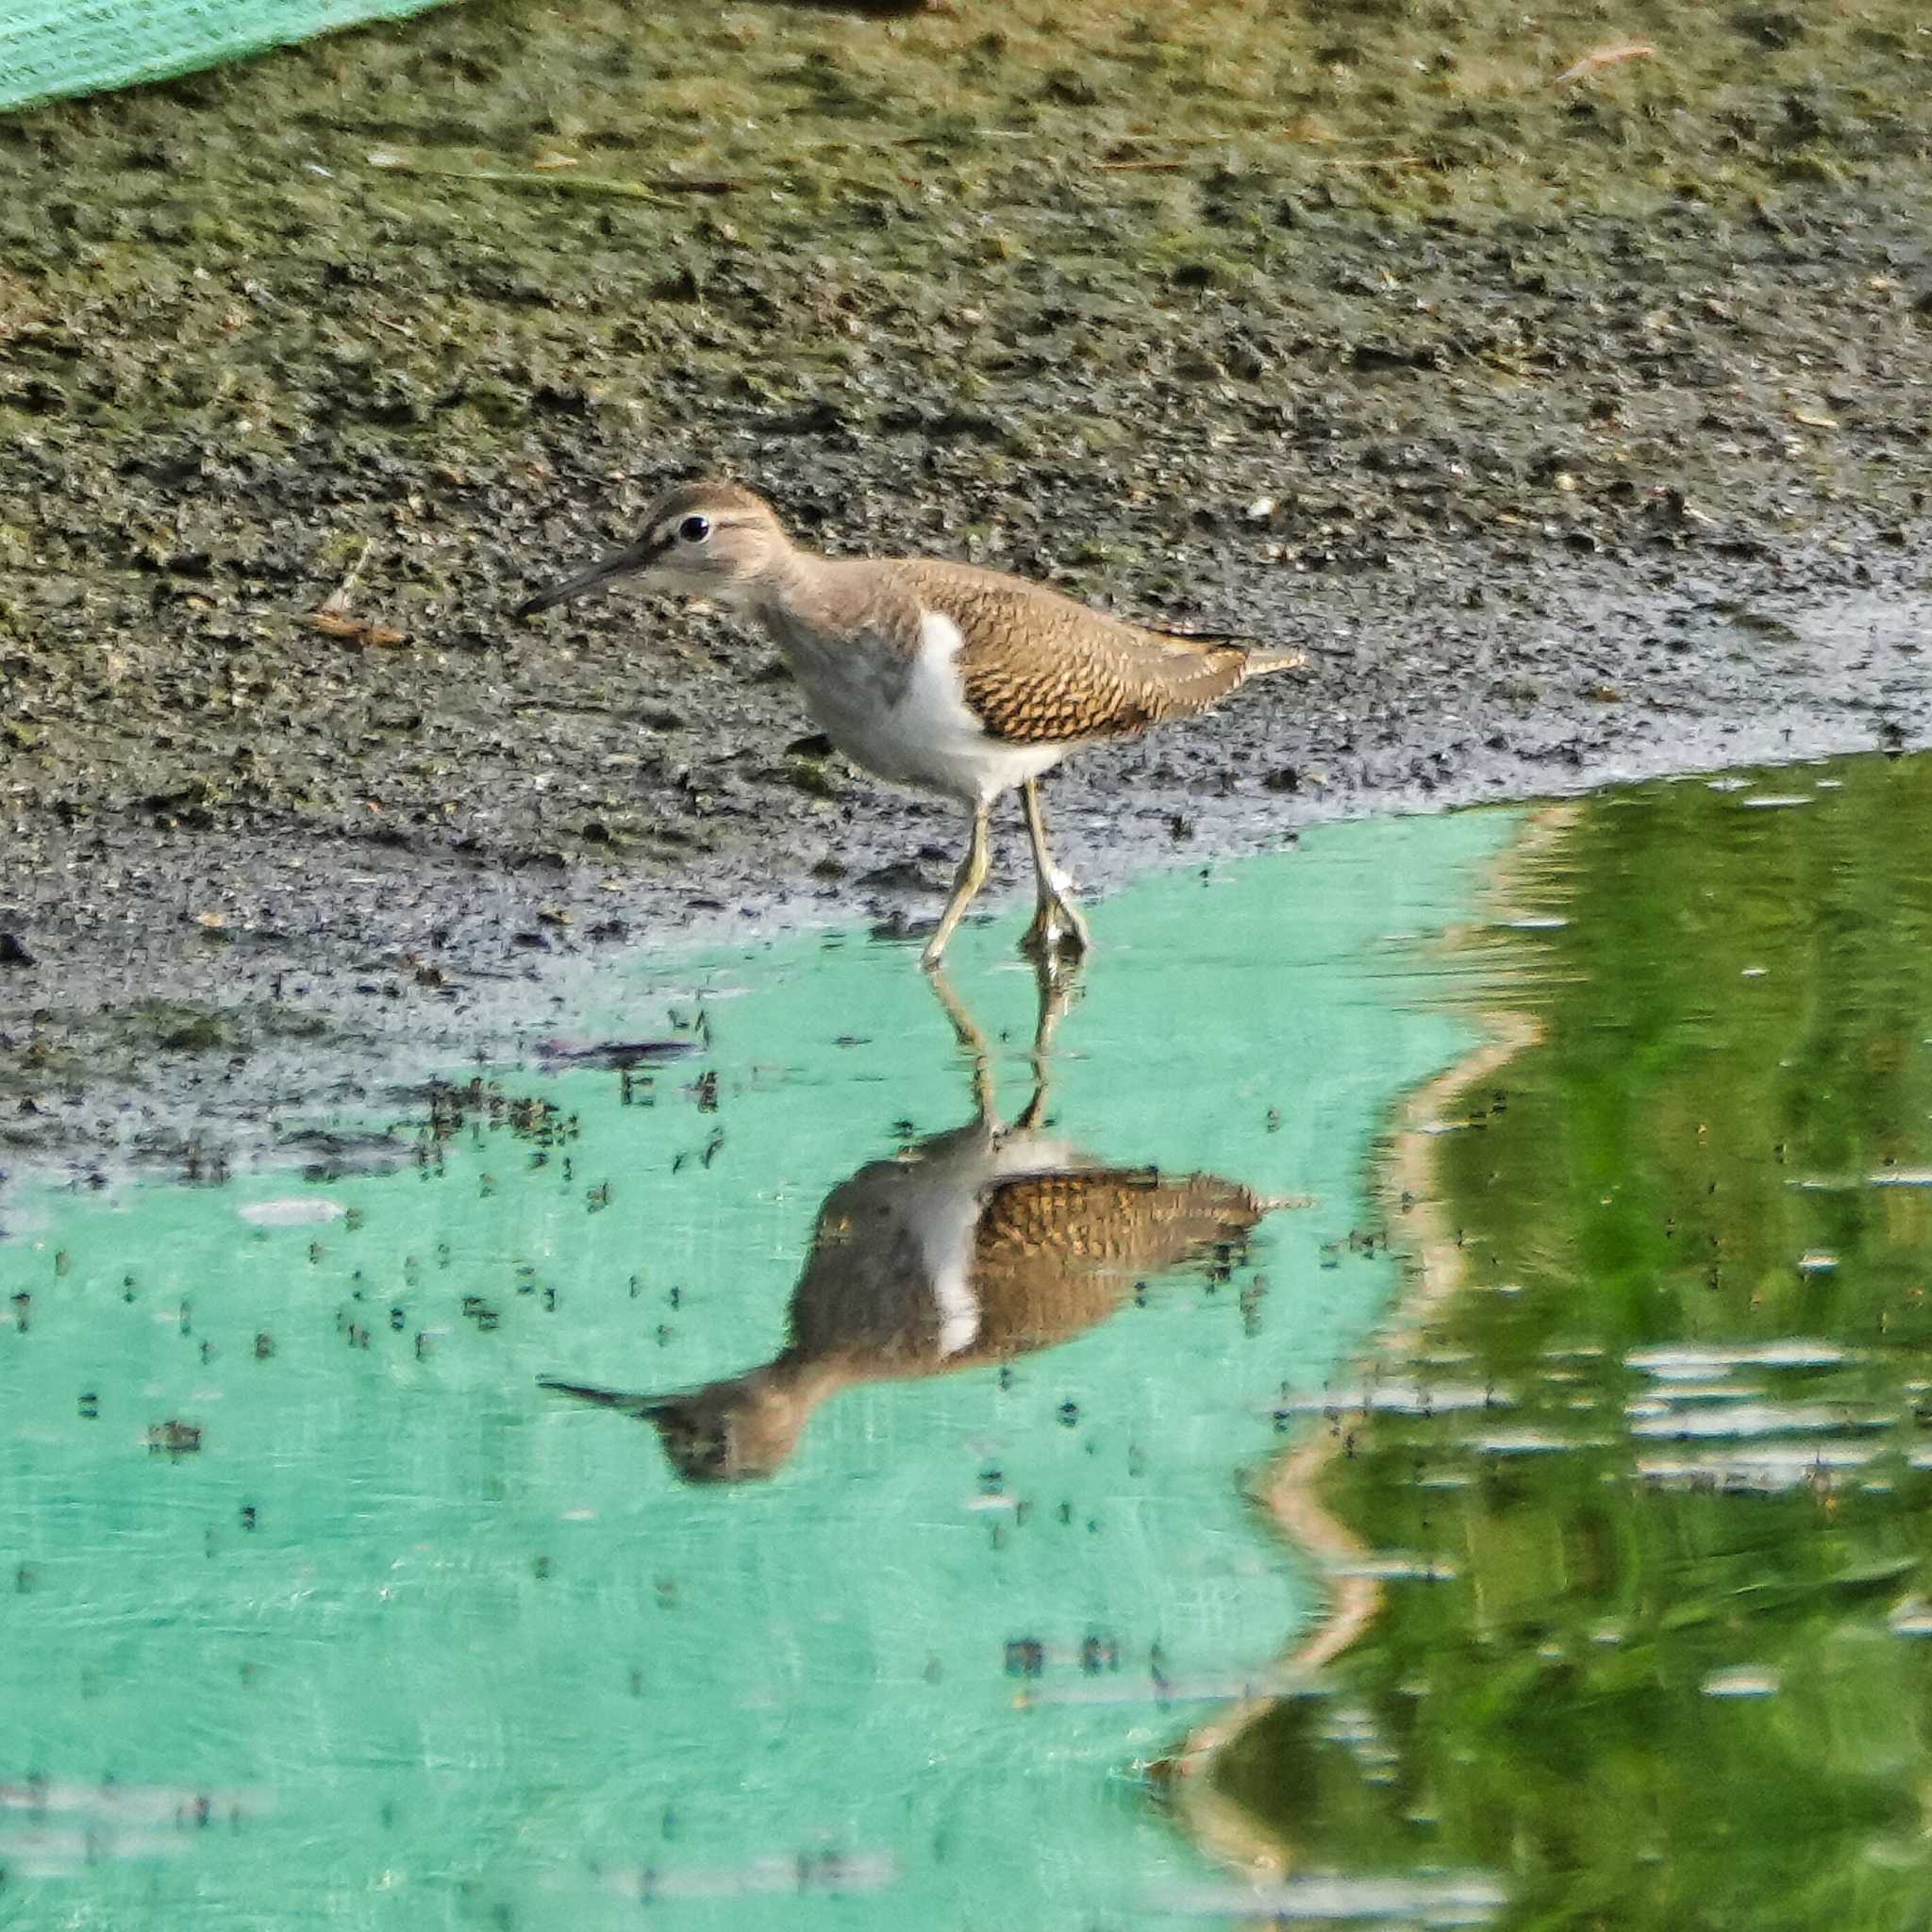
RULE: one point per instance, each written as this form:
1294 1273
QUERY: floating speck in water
298 1211
1776 801
1911 1618
1531 1442
1659 1400
1743 1419
831 1873
1471 1898
78 1825
1816 1262
42 1854
1742 1681
109 1803
1903 1177
1794 1353
1397 1398
1763 1470
1155 1691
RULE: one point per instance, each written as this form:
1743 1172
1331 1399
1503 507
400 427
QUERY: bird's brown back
1056 1253
1041 668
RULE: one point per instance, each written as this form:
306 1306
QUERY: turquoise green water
404 1641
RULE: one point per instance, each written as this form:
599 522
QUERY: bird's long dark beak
619 563
641 1405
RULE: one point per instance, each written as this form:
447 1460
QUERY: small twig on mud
1600 57
333 619
333 624
553 182
338 600
1227 137
1328 160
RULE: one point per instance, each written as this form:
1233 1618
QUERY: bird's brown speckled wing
1040 669
1054 1253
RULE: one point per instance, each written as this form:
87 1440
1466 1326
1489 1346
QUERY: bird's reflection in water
965 1248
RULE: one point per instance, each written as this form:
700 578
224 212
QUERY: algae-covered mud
1643 1480
1569 408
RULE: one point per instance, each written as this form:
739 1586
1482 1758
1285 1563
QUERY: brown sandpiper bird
963 1250
939 675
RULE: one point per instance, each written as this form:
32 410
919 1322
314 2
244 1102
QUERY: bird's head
742 1429
701 539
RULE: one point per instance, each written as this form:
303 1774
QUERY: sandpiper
964 1249
936 675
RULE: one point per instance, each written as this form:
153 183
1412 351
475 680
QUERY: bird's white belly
944 1221
916 728
945 1242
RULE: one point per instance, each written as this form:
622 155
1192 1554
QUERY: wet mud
1573 425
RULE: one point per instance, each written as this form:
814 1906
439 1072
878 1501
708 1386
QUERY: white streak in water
296 1211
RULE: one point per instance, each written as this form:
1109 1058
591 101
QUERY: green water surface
318 1611
1668 1446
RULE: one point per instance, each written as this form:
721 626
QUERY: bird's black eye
694 529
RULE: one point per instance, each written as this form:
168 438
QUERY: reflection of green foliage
1739 1006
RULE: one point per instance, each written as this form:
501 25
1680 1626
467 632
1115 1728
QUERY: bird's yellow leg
966 884
966 1030
1058 924
1056 982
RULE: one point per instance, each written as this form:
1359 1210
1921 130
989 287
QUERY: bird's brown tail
1261 662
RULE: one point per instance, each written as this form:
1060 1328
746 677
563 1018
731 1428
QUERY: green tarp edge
51 49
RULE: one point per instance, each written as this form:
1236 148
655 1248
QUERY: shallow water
1670 1672
321 1611
1592 1585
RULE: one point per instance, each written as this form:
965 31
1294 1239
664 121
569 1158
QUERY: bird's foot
1058 929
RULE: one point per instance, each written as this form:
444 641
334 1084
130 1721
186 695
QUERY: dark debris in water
174 1439
619 1053
327 1155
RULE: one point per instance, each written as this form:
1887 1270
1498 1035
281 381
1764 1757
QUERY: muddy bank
1575 428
